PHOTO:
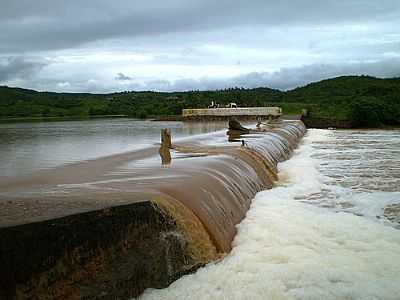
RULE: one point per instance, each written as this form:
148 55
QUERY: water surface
28 147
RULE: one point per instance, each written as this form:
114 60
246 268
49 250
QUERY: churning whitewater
311 236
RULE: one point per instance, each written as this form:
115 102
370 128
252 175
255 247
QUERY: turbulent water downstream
327 230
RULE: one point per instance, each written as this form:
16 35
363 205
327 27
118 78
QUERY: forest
364 100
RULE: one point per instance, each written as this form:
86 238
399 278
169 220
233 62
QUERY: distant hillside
366 101
16 102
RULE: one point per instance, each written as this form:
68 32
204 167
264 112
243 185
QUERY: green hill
367 101
363 100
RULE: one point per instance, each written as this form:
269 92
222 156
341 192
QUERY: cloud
289 78
49 24
17 67
188 44
284 79
63 85
122 77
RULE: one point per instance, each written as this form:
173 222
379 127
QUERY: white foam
287 249
371 205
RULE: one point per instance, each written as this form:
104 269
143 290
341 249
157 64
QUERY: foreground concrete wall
111 253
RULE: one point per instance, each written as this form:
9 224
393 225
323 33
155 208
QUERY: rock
235 125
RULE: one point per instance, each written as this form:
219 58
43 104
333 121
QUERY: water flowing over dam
329 229
110 227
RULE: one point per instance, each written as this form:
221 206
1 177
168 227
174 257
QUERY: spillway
111 227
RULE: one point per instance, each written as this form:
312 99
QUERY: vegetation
366 101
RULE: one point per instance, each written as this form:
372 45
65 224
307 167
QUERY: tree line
365 100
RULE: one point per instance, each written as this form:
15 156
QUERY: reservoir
29 147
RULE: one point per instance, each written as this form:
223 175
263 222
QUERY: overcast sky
105 46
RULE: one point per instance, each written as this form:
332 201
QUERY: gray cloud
49 24
284 79
17 67
122 77
184 45
289 78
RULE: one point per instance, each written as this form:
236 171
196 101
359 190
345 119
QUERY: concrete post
166 138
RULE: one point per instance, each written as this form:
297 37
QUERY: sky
176 45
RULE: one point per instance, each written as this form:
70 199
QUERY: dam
242 113
111 227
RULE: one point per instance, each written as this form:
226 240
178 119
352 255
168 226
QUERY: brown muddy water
208 177
203 184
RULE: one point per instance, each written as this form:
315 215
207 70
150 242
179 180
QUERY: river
33 146
327 230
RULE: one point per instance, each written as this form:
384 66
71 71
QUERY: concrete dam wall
111 227
242 113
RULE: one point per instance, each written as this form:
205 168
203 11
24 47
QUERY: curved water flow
197 193
215 183
218 187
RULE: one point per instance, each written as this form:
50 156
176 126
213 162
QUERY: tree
365 112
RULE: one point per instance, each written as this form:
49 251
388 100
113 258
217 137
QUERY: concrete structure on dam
243 113
111 227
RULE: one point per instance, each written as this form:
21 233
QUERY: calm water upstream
326 231
28 147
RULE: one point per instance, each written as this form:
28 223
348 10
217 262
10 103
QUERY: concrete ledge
230 112
224 118
112 253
